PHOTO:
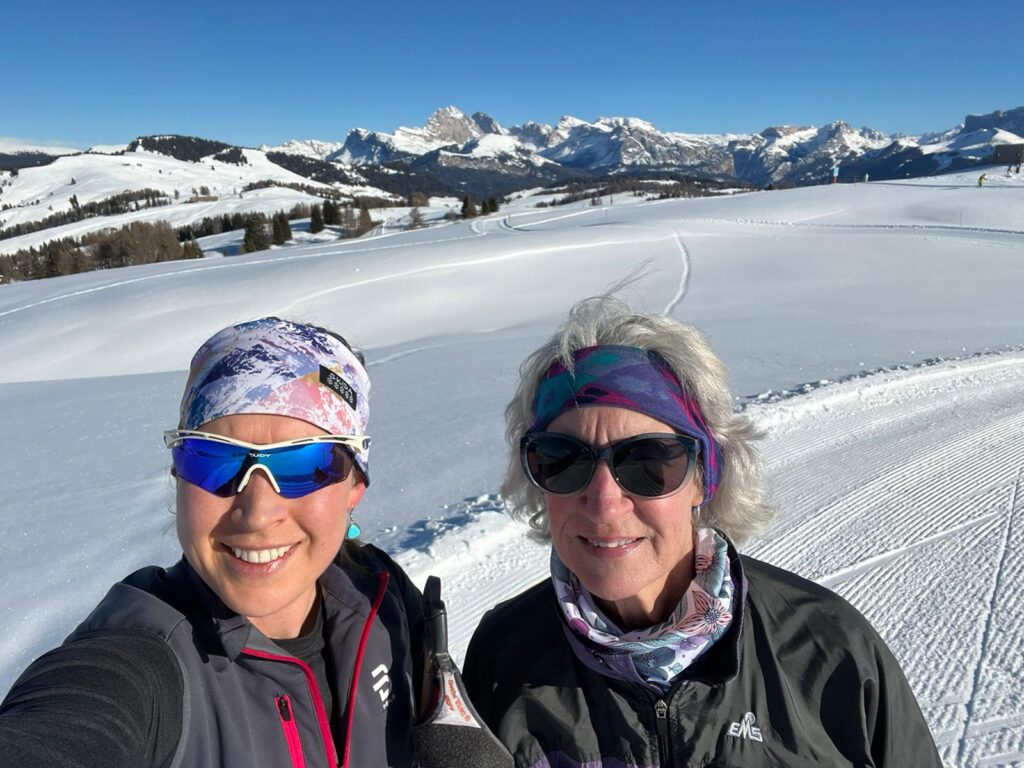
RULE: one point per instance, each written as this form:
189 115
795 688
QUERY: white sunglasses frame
358 443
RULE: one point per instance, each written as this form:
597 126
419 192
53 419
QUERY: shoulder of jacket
520 622
784 598
143 602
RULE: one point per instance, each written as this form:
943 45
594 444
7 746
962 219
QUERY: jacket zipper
314 692
661 722
291 732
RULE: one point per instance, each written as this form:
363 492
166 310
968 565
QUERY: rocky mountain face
786 155
1011 121
454 153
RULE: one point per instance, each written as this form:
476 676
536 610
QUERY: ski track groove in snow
684 278
991 617
441 267
921 476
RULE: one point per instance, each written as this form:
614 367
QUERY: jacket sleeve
900 736
109 699
477 678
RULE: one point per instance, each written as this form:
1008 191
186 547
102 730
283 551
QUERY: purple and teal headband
627 377
274 366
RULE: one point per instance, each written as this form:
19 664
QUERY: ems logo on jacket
382 684
745 729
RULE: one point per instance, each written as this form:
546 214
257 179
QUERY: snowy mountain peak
569 122
312 148
449 125
781 131
488 124
631 123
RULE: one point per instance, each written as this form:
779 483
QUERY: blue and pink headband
273 366
627 377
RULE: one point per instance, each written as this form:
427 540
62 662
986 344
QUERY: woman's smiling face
635 554
261 552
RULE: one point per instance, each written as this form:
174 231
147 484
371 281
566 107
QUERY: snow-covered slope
36 193
16 146
899 489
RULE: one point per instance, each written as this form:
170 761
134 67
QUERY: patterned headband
632 378
274 366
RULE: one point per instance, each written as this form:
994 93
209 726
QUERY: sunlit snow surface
900 489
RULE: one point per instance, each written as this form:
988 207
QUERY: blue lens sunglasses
223 466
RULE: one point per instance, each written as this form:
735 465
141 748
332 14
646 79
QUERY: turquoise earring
353 528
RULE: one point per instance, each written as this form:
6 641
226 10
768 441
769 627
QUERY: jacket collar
344 591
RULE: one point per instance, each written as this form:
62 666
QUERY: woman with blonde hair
655 642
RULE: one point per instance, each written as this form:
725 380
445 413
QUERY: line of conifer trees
146 243
110 206
137 243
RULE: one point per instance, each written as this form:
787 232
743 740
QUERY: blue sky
259 72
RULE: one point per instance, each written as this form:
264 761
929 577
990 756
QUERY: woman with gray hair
654 642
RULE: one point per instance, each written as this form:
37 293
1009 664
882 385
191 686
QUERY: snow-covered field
876 331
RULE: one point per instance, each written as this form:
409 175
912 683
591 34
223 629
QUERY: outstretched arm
110 699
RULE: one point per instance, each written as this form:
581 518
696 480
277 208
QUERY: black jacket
236 697
799 679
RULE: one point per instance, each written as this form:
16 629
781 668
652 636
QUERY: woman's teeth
610 544
259 555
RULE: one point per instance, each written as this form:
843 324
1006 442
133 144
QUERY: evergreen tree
255 234
332 216
282 230
468 207
316 219
40 268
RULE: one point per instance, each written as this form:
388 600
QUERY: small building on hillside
1008 154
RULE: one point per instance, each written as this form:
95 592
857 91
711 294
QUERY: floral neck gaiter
661 652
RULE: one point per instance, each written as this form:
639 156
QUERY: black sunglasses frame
607 455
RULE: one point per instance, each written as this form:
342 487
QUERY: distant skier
981 180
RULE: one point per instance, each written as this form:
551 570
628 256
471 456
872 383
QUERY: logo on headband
339 386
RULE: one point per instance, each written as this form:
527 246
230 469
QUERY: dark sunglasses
649 465
223 466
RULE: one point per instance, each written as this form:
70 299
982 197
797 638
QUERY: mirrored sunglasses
223 466
649 465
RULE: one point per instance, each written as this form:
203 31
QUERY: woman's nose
258 504
603 497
